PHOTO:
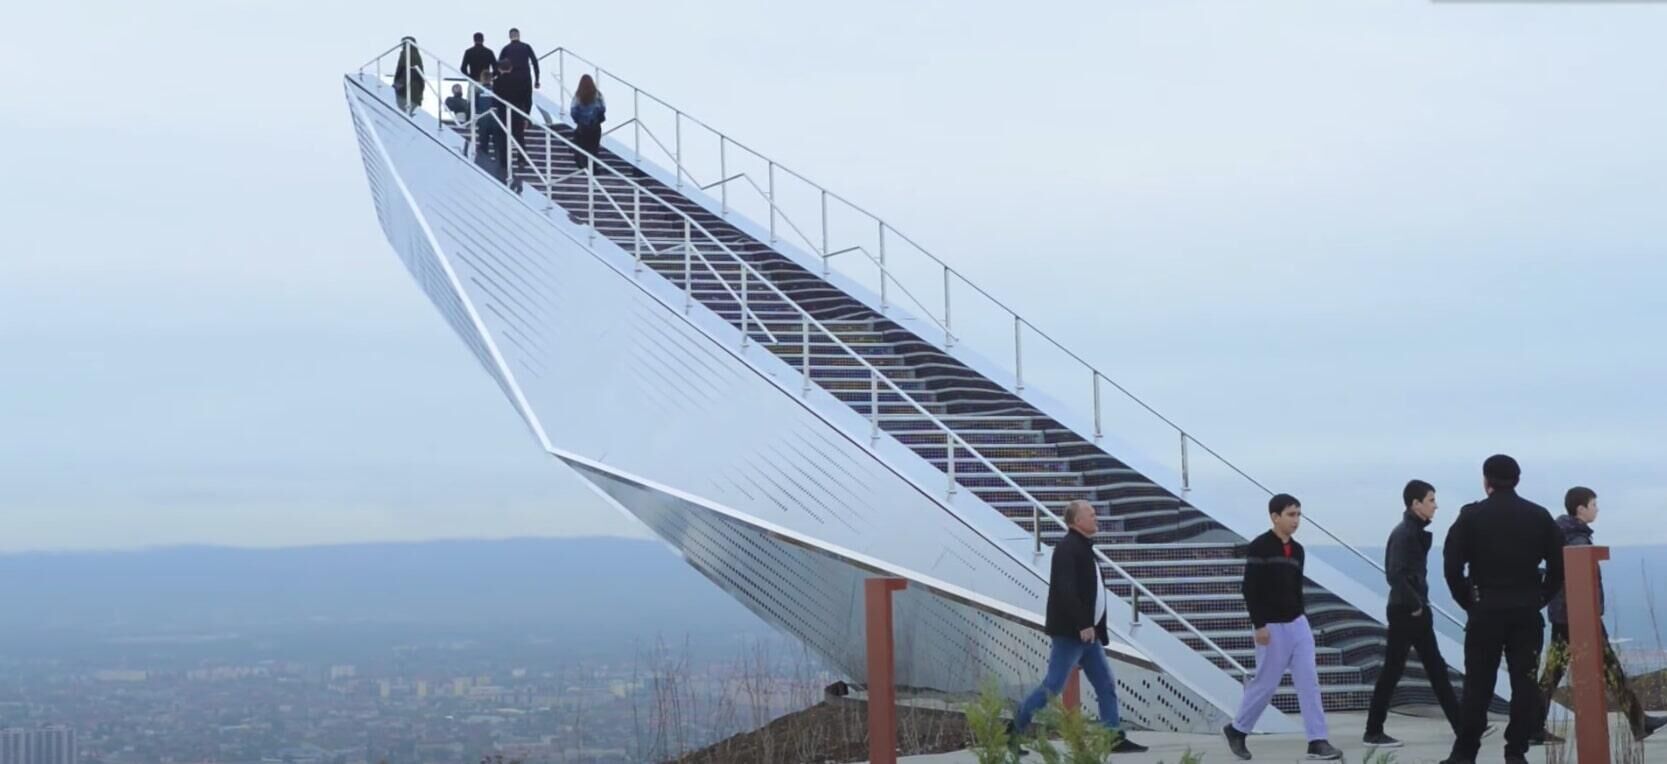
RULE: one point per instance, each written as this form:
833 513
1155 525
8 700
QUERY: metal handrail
1021 324
876 378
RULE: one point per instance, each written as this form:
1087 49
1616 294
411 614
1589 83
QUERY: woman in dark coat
408 76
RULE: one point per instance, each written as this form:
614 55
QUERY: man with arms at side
1273 568
1492 564
1581 503
1076 626
1411 624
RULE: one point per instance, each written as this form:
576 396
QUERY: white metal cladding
815 593
614 370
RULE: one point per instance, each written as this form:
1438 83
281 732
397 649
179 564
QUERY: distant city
533 669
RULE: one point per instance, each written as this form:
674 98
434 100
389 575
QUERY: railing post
688 267
1097 430
772 201
745 314
636 124
561 79
883 274
1036 527
949 438
549 171
948 334
590 202
882 687
723 175
1134 598
1186 469
636 211
1018 354
824 232
873 406
804 349
677 158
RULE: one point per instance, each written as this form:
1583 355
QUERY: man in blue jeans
1076 624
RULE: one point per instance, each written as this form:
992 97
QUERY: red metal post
1591 712
1073 690
882 677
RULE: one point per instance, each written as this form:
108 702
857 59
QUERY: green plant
1380 757
1086 741
991 743
1188 757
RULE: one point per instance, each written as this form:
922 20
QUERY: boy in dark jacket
1582 506
1411 625
1273 593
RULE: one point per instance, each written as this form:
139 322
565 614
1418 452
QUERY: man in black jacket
1076 623
478 59
1582 506
1411 625
1492 562
521 55
512 90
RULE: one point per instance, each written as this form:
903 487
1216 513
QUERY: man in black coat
1076 625
1411 624
515 90
1492 562
522 56
478 59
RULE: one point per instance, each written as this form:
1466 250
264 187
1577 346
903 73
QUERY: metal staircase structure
909 379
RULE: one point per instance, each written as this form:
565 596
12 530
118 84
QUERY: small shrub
990 741
1086 741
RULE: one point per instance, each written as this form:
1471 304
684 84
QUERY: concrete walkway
1427 740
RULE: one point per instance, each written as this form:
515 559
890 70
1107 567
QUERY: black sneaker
1651 724
1515 759
1544 736
1013 748
1235 742
1125 745
1380 740
1320 750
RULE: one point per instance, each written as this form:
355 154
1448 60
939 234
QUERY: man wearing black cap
1492 562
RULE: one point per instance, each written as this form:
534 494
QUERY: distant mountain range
590 588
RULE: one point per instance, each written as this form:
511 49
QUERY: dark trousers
1409 632
518 127
1557 662
1516 635
492 154
589 140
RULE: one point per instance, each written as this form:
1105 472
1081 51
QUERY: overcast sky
1347 243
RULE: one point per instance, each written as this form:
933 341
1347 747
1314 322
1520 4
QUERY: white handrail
1023 325
953 440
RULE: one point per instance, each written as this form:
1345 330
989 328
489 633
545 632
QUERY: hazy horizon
1345 244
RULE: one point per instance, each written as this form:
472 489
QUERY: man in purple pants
1273 593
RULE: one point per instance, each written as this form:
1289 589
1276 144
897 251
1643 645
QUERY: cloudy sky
1345 243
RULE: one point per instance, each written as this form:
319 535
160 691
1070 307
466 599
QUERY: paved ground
1427 741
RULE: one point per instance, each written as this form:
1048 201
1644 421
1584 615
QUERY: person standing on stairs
513 91
1273 593
478 59
588 110
1411 624
491 149
1492 564
517 61
408 76
1076 626
1581 503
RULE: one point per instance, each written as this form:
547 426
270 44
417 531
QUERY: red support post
882 677
1586 674
1073 690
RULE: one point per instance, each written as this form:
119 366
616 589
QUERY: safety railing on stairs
697 236
809 214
